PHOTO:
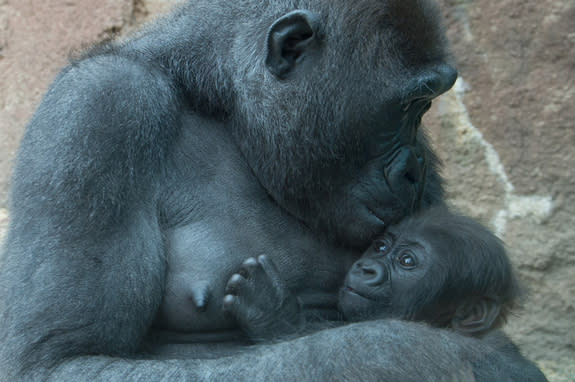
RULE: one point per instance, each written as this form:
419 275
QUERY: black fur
458 273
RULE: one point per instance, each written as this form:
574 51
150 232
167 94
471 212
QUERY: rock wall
507 137
505 132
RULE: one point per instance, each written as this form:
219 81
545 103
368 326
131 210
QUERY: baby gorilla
439 268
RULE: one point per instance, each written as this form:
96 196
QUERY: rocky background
505 132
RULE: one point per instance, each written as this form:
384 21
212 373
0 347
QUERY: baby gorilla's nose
369 272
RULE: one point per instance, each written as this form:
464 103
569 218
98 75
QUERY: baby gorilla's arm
260 301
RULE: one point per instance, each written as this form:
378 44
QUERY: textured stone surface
35 40
505 132
3 222
36 37
507 137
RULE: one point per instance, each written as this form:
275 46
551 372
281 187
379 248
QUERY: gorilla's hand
261 302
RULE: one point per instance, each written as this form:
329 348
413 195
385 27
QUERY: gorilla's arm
521 368
369 351
82 270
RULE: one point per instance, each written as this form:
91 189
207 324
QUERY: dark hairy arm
369 351
83 262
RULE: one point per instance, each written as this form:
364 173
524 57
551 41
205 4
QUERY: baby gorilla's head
445 269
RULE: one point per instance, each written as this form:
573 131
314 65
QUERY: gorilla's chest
216 216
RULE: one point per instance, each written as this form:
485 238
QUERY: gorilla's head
442 268
329 100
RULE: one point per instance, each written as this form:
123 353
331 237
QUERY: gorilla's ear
289 38
476 316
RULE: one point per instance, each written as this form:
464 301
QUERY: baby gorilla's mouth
350 290
356 305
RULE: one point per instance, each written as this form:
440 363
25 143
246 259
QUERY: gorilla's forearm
368 351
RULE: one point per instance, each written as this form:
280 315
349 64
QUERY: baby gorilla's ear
476 316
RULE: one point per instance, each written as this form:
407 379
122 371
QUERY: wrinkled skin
239 116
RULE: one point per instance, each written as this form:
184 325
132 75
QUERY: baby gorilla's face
387 280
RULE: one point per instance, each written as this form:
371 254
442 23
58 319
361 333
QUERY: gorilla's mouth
350 291
388 215
422 106
413 112
380 219
416 108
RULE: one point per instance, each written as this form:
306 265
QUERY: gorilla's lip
422 106
417 107
414 111
350 290
372 212
387 218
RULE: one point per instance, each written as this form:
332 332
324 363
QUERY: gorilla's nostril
368 271
412 169
411 178
405 170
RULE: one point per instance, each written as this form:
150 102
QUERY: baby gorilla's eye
380 246
407 260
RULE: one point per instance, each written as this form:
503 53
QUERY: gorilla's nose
441 78
370 272
430 83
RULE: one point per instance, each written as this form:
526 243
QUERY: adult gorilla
148 146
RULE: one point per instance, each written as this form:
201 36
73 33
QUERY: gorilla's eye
407 260
380 246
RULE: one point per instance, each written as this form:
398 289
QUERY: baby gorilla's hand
260 301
